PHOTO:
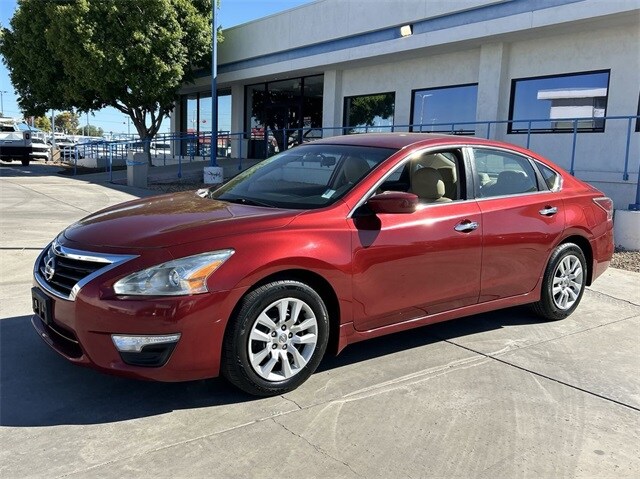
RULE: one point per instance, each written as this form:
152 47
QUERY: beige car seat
427 184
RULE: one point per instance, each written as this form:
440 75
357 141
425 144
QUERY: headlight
180 277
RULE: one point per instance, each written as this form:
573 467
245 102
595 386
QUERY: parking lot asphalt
497 395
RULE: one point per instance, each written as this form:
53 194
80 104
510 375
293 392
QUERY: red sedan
320 246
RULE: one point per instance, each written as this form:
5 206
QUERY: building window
450 109
196 120
555 101
369 113
284 113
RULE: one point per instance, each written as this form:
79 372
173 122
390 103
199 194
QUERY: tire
25 162
567 270
266 351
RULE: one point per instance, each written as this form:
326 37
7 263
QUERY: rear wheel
563 284
277 339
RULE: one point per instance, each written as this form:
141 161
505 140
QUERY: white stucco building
466 66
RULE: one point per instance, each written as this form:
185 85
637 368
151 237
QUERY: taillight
606 204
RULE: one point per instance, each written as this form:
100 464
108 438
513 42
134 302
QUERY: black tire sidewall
238 368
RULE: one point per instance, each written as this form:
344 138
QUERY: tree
364 109
92 131
131 55
43 123
67 122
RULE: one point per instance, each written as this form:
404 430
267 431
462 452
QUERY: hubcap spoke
298 360
286 367
306 339
304 325
268 367
257 335
266 321
258 357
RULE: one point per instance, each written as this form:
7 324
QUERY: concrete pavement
497 395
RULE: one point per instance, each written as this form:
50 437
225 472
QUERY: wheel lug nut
290 335
274 346
273 334
284 327
284 346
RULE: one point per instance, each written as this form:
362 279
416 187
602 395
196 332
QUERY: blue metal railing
178 148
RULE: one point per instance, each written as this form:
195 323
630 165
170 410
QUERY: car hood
174 219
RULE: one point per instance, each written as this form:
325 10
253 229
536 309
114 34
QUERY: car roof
396 140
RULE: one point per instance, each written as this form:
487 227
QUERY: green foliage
91 130
43 123
364 109
86 55
66 122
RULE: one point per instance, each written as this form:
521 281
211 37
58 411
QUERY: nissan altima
320 246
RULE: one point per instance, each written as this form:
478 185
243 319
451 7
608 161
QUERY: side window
436 177
500 173
551 178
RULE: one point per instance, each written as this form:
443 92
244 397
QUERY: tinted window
444 109
551 178
369 113
556 100
500 173
308 176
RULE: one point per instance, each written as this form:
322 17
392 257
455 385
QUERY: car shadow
434 333
39 388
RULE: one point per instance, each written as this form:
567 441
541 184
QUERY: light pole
214 95
424 97
2 102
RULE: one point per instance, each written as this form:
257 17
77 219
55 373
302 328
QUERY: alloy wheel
282 339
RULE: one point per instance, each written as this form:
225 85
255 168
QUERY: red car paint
379 274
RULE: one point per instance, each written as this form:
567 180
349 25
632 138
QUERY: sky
231 13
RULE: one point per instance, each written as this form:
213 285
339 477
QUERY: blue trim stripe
476 15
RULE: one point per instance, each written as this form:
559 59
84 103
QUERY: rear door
521 221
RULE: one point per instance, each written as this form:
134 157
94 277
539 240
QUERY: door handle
466 226
548 211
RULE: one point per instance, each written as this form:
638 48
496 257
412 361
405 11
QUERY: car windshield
305 177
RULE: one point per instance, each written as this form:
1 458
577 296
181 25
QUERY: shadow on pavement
40 388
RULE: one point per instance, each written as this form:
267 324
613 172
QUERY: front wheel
563 283
277 339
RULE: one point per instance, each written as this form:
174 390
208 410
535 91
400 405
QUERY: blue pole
214 96
573 148
625 176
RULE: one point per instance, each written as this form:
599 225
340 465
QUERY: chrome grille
63 271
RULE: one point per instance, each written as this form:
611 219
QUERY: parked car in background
160 149
320 246
21 142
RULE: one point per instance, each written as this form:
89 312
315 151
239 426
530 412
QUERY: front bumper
81 331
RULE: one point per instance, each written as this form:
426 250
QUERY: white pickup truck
18 141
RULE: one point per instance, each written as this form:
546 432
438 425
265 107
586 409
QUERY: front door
408 266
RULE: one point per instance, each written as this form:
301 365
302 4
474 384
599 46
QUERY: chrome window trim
110 261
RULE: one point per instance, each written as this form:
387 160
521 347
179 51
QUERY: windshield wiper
246 201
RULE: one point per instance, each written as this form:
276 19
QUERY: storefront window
557 100
369 113
282 114
450 109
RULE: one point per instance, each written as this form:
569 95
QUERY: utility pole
214 92
2 92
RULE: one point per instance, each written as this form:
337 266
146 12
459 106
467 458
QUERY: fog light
134 344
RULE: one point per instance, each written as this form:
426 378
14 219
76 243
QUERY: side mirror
393 202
